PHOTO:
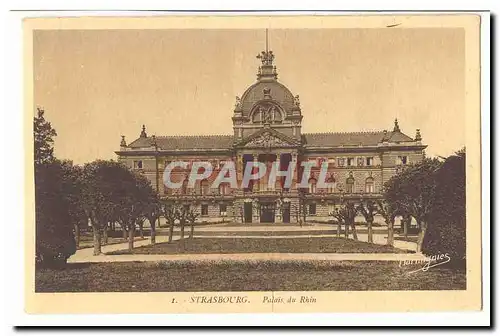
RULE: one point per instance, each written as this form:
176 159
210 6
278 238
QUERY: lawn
264 245
88 241
198 276
264 233
411 239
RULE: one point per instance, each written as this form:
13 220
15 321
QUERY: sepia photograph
254 164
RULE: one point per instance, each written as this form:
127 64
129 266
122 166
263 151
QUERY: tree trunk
77 234
421 236
406 223
105 234
171 231
141 230
346 229
131 238
191 234
124 231
354 233
390 233
182 235
153 231
339 228
370 230
97 239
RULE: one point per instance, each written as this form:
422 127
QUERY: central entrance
267 211
247 212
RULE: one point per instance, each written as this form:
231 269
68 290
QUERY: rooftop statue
266 57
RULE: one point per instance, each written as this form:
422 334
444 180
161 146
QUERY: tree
140 223
386 210
191 217
56 198
133 199
447 233
412 191
55 242
153 212
368 209
105 191
338 215
346 214
171 213
182 215
44 138
73 184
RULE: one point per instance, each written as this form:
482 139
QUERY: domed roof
277 92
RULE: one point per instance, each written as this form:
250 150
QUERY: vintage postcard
253 164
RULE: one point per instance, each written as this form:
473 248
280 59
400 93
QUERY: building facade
267 128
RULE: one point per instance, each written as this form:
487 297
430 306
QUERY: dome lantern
267 70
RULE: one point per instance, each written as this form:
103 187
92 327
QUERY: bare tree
191 217
386 210
368 209
171 214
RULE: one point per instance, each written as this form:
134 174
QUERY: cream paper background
347 301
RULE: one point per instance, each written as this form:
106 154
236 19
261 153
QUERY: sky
96 85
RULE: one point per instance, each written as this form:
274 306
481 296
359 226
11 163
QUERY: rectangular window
369 187
403 160
341 162
312 209
204 209
223 210
350 162
138 164
369 161
360 161
331 208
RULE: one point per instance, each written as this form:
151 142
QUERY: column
278 214
255 211
239 168
277 163
296 171
255 183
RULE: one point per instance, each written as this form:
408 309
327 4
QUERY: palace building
267 128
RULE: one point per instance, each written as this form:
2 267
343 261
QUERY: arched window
266 112
369 185
276 116
349 183
312 185
257 116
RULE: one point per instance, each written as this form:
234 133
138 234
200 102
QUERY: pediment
268 138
